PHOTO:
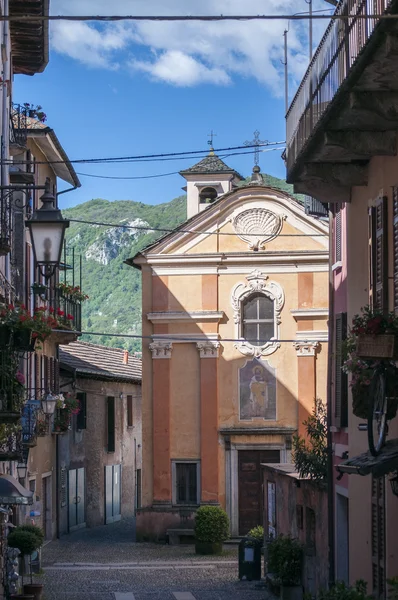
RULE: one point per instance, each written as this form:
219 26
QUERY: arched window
258 319
207 195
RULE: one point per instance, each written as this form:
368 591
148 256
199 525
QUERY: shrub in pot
211 529
285 562
257 533
27 542
36 589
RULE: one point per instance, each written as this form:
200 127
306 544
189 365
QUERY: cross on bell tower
211 135
256 142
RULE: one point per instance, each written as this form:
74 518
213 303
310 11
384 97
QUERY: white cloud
180 69
187 53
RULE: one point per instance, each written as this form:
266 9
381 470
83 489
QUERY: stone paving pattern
96 564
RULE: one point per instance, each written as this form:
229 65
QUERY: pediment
251 219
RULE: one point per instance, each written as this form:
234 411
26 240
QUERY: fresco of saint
257 391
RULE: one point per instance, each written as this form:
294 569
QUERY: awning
367 464
12 492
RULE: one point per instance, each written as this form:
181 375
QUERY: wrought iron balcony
18 125
344 44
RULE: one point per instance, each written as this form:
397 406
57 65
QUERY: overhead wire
182 230
274 17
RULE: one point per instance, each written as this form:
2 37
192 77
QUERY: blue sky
127 90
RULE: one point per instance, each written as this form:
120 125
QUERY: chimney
125 357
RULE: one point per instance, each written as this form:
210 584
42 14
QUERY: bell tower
207 180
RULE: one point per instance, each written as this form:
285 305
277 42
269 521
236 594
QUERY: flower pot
377 347
23 340
291 592
208 547
36 589
5 336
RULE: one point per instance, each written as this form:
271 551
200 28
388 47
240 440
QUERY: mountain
114 289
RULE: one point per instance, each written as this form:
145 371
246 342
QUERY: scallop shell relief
257 226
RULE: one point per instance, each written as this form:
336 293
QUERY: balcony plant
35 111
211 529
73 292
66 406
285 562
363 352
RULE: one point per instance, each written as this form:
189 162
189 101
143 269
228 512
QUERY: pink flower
20 377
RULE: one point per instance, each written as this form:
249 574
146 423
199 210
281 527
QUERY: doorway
113 493
250 486
76 498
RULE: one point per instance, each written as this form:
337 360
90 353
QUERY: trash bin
250 559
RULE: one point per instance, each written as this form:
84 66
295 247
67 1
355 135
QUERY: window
186 483
340 378
337 235
129 411
207 195
258 321
110 405
81 418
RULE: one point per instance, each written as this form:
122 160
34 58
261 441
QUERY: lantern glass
22 470
48 404
47 241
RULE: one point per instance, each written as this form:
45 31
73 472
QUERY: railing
18 125
338 50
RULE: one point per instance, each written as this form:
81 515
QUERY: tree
310 453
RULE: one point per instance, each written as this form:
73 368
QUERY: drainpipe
4 114
330 468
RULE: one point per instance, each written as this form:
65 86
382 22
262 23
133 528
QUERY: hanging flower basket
23 340
361 398
5 336
377 347
39 289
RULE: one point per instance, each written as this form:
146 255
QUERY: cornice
257 431
305 313
188 316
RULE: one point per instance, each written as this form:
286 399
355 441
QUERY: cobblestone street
104 564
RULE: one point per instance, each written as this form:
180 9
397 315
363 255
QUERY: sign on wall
257 391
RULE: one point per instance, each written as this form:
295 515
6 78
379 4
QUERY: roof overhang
29 39
367 464
99 375
49 144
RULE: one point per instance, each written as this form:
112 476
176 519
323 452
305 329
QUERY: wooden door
250 486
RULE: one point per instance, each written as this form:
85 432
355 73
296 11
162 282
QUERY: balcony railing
338 50
18 125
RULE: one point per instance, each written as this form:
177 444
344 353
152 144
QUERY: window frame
258 321
174 464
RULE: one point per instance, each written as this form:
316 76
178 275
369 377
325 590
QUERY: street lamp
48 403
22 470
47 231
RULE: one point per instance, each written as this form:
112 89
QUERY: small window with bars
110 406
258 319
186 482
81 418
129 411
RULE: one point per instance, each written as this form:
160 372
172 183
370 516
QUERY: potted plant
26 542
211 529
66 407
39 289
257 533
73 292
371 334
285 562
36 589
35 111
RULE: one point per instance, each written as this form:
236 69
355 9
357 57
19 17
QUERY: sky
134 88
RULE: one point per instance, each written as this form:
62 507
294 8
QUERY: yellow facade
210 398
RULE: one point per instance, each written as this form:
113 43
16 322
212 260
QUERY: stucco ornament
208 349
306 348
257 282
161 349
257 226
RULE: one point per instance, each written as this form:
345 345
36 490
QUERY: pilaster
209 459
306 353
161 354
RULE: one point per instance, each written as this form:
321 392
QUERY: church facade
235 306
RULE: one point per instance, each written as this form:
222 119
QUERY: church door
250 486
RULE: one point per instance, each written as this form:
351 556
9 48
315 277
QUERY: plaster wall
88 447
382 176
